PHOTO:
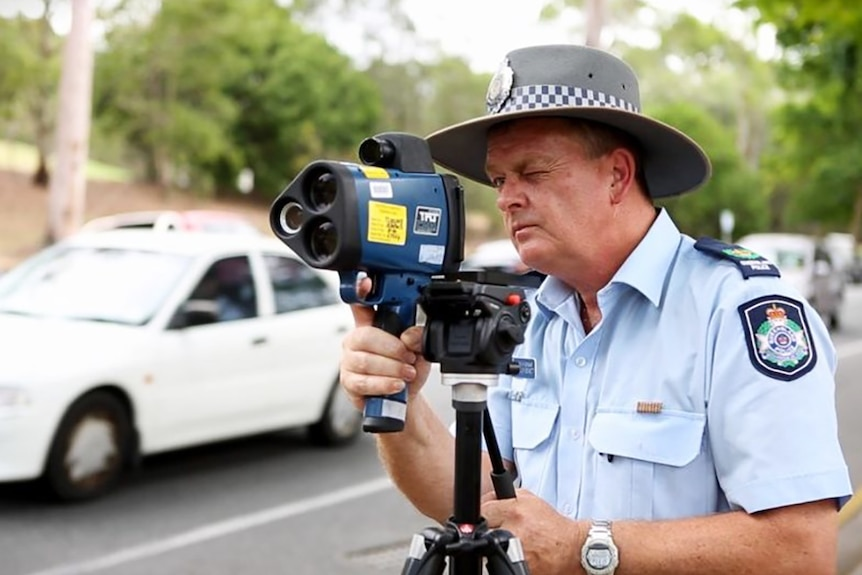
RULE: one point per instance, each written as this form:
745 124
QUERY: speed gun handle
386 413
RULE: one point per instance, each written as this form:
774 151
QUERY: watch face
599 557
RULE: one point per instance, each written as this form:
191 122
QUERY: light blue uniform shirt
660 411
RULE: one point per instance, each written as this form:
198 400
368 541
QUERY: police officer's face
554 197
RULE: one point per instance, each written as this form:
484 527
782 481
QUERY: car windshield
787 258
92 283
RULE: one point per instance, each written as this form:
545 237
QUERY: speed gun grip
386 413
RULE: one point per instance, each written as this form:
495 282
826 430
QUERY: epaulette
748 262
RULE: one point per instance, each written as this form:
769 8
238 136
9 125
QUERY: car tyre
834 321
90 448
341 422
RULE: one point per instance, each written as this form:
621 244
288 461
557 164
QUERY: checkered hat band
549 96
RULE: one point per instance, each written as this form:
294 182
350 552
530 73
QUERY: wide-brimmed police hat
574 82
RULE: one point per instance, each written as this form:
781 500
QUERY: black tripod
472 327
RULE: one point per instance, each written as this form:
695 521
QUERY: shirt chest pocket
532 430
650 466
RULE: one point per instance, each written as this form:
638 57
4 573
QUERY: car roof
179 242
775 239
153 217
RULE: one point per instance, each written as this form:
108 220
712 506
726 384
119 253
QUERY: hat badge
500 87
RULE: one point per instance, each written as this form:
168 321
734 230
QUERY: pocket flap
531 424
669 438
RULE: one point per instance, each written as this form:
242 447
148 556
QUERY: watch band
599 555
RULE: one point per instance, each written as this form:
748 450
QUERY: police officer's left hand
552 543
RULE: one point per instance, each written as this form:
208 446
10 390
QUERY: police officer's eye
534 174
498 182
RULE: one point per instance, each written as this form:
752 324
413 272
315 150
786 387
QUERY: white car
213 221
807 265
117 345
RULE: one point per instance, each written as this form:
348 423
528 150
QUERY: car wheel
834 321
90 449
341 422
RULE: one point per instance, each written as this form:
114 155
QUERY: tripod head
474 321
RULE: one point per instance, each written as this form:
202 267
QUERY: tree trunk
41 177
39 107
595 22
68 187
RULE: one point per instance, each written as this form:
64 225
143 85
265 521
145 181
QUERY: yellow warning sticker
374 172
387 223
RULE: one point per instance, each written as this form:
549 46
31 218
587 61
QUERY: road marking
219 529
245 522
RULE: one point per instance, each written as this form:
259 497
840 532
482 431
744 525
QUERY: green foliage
698 63
818 176
212 86
29 71
422 98
732 186
14 56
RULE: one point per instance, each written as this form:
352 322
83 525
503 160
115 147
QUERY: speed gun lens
291 218
323 191
323 242
376 152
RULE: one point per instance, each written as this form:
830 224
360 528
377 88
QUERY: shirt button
580 361
575 434
567 509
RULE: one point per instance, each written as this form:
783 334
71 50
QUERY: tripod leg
505 554
426 556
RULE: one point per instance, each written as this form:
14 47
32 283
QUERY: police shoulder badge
500 87
778 337
749 263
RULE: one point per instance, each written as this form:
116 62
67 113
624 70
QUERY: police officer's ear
623 167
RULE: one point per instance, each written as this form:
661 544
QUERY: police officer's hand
375 362
552 542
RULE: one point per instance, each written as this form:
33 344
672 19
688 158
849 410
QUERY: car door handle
259 340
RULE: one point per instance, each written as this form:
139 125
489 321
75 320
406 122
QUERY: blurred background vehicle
842 251
807 265
854 272
496 255
213 221
122 344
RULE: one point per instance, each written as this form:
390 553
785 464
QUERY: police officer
676 413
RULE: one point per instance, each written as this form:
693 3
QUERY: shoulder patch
748 262
778 337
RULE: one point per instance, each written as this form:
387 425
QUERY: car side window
821 254
296 286
229 286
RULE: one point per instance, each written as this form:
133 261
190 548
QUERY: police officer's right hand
375 362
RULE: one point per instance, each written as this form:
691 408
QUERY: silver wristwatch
599 555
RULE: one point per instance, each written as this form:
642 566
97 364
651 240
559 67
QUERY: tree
209 87
596 16
733 185
697 62
29 77
68 188
815 162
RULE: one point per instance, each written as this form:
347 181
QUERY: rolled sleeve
774 440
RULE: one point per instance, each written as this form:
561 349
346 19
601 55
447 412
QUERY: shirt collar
645 269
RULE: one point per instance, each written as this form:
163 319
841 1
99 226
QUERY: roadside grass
16 156
110 190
